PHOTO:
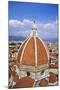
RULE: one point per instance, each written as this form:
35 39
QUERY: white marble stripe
35 50
24 50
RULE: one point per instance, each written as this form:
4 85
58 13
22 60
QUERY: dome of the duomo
33 53
26 55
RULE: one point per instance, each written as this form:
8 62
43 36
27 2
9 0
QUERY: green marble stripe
33 68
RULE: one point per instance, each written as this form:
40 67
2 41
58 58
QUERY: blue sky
21 16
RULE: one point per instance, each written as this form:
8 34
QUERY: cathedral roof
33 51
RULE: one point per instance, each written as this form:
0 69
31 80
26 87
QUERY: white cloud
50 25
27 21
47 26
18 27
17 23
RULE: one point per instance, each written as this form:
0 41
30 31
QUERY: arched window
28 73
42 72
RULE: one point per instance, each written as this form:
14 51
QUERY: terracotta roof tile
54 65
52 78
24 82
28 57
41 53
43 82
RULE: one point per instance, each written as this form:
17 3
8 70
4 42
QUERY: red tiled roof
52 78
28 57
54 65
43 82
24 82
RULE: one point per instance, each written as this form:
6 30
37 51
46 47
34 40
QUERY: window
42 72
28 73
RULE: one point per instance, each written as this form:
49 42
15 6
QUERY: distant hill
21 38
51 40
16 38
